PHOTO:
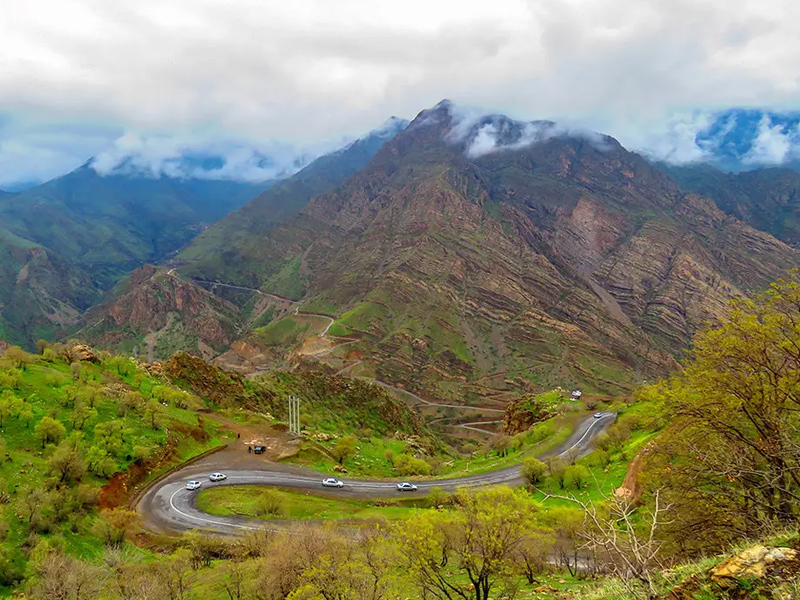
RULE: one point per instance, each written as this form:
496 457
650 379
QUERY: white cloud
773 145
301 72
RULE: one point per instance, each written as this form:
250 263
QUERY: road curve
168 507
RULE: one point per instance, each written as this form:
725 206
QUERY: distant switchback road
169 507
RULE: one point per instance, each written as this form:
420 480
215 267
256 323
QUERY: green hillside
69 428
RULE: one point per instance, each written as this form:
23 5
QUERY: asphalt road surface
169 507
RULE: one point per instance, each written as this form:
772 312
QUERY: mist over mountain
481 250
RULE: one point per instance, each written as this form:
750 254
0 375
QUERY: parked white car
193 485
332 482
406 487
218 477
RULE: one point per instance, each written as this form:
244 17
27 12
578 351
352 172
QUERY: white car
598 415
332 482
406 487
218 477
193 485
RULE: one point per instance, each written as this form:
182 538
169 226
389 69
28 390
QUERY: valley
435 308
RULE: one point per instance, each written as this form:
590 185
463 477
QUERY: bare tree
611 535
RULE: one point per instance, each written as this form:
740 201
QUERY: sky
254 78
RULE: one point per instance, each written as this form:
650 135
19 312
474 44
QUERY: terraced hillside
550 259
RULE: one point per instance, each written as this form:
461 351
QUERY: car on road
218 477
260 449
406 487
332 482
598 415
193 485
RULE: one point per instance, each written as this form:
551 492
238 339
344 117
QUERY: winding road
168 507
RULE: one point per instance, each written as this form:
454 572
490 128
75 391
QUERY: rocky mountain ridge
490 254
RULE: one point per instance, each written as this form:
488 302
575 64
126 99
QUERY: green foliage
533 471
731 457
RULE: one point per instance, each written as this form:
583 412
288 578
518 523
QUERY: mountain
41 294
109 225
124 320
477 255
768 199
739 139
227 251
152 314
66 242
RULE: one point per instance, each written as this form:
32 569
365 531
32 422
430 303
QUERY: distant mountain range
462 255
471 256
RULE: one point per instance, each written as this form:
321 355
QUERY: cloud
200 157
303 72
774 144
484 133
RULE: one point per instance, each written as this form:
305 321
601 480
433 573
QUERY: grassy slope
43 386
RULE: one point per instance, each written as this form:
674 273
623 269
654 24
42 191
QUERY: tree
110 437
557 468
345 448
8 404
75 369
533 471
270 502
80 414
49 431
67 463
730 462
18 357
476 543
30 503
502 444
626 544
62 577
26 415
576 476
152 413
42 345
114 524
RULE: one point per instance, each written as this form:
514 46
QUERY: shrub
271 503
533 471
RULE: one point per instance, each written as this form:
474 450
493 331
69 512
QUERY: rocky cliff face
561 262
156 314
41 294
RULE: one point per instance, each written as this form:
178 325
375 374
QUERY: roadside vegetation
70 423
696 469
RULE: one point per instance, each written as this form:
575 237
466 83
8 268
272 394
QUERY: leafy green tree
476 543
730 462
80 414
49 431
576 476
67 463
152 414
26 414
8 405
110 437
557 467
533 471
344 448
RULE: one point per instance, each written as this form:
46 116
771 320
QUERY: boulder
82 352
756 562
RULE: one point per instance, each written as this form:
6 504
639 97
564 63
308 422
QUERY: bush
576 476
533 471
405 464
438 497
271 503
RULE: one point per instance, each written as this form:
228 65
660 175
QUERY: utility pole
294 415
